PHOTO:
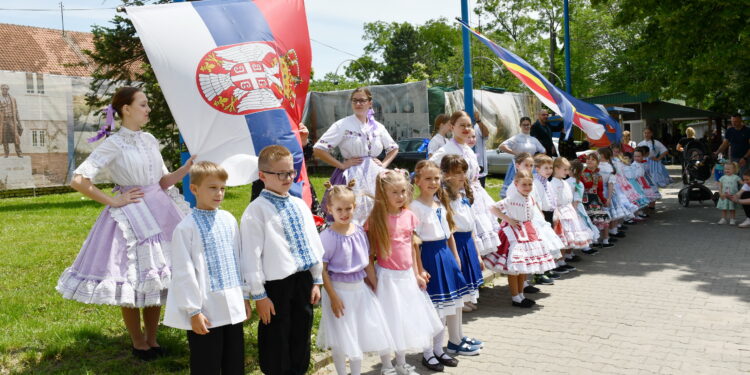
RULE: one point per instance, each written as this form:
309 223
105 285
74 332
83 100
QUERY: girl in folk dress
620 208
576 173
638 165
568 226
517 144
594 198
487 225
352 321
523 251
395 270
657 151
625 179
440 137
446 286
454 170
124 261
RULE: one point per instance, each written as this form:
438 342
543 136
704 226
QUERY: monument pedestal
15 172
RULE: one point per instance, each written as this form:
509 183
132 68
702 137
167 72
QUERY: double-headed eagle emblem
249 77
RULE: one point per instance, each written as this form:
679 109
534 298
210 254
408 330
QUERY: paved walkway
671 298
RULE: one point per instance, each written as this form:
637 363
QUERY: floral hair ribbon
109 125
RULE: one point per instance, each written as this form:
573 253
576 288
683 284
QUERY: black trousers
746 207
284 343
220 351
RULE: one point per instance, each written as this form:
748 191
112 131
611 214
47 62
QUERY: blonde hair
456 164
561 162
339 192
690 132
542 159
521 157
441 194
626 133
202 169
520 175
733 165
377 223
271 154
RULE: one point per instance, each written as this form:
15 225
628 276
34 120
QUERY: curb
321 360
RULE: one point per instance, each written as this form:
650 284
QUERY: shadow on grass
95 352
66 205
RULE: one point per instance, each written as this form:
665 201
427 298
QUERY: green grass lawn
42 332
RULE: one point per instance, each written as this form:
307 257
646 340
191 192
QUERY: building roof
41 50
648 107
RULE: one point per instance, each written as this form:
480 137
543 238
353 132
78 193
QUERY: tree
400 54
697 50
119 60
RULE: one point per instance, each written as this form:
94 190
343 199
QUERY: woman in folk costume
657 151
124 261
360 139
487 225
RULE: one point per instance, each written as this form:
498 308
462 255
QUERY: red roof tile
40 50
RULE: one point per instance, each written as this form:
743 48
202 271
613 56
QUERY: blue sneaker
472 342
462 349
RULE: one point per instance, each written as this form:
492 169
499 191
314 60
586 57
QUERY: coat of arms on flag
244 78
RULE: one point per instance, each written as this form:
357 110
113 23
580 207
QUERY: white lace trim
106 292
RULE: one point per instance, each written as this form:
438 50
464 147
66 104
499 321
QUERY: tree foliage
119 60
698 50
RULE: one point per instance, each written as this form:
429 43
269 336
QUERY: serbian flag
235 74
600 128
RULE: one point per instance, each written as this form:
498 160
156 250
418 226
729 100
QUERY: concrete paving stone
658 302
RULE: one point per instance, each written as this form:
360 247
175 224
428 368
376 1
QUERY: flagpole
184 156
566 20
468 80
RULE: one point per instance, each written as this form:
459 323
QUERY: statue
9 121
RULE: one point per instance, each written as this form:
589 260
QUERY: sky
335 23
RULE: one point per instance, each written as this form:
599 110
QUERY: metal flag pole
184 156
566 20
468 80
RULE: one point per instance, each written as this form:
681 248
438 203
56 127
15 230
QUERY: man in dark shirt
737 138
542 132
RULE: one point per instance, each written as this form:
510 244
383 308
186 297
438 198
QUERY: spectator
737 139
440 135
541 131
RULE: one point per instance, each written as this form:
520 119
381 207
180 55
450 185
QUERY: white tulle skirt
487 225
362 329
413 320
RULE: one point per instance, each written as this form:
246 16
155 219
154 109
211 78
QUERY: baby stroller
697 163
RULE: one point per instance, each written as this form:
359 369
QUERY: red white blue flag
601 129
235 74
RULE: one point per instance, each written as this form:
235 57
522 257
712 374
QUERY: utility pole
62 18
566 20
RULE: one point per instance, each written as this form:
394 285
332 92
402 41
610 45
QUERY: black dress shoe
158 351
618 235
530 301
606 245
447 360
436 367
144 355
623 228
531 289
526 303
612 239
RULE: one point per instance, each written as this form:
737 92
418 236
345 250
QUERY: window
29 83
38 138
40 83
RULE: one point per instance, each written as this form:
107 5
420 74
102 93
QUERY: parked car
498 162
410 151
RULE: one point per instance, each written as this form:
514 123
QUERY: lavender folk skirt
124 260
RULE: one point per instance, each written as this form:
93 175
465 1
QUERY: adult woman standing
360 140
657 151
124 260
521 142
487 225
440 138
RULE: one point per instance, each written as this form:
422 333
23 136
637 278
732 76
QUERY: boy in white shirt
206 296
281 265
